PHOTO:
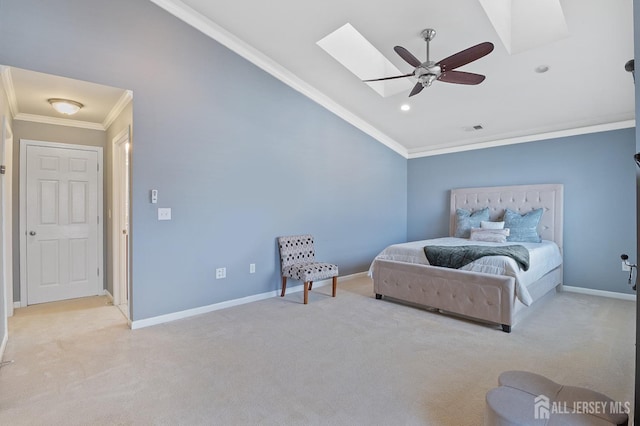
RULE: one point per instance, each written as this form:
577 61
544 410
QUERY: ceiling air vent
473 128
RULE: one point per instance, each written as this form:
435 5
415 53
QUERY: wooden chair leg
335 284
284 286
306 292
310 284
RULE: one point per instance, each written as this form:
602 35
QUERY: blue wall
597 171
240 157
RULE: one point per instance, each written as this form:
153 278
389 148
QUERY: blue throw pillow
465 220
523 228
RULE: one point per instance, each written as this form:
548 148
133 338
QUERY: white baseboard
17 305
3 345
109 295
601 293
147 322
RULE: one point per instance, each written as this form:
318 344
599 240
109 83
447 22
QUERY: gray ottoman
525 398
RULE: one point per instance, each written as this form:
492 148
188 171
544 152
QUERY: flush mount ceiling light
405 107
65 106
518 22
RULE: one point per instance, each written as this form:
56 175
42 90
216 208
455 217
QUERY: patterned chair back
296 249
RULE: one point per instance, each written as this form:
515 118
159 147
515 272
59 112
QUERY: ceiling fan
427 72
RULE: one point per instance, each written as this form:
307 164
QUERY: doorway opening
106 112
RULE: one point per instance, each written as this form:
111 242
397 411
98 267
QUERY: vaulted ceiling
585 89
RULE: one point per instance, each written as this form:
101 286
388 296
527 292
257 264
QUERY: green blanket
458 256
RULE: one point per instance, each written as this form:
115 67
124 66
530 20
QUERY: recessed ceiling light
541 69
405 107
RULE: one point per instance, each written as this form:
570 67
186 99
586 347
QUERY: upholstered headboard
520 198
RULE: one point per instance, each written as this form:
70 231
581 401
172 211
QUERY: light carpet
349 360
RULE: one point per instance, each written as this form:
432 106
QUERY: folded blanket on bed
457 257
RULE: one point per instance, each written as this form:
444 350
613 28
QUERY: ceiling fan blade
465 56
461 77
389 78
407 56
416 89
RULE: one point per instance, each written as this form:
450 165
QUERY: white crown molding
528 138
59 121
203 24
124 100
7 83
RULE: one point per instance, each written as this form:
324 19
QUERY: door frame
24 143
7 217
117 172
6 233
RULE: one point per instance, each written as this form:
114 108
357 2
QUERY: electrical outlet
625 267
221 273
252 268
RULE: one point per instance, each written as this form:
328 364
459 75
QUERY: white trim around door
7 220
120 246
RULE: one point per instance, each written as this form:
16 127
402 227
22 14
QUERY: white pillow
490 235
491 225
505 231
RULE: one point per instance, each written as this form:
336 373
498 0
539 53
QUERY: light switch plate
164 213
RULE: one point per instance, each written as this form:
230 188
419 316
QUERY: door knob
32 233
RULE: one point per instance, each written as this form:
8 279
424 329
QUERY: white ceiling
586 84
28 92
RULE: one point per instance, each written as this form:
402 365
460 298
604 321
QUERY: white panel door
62 224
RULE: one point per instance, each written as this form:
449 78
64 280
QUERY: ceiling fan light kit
427 72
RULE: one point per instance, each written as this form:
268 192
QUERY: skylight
359 56
526 24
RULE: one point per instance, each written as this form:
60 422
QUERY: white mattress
543 258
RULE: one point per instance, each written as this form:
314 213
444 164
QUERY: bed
491 289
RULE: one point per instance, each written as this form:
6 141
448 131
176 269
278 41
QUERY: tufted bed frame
479 296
